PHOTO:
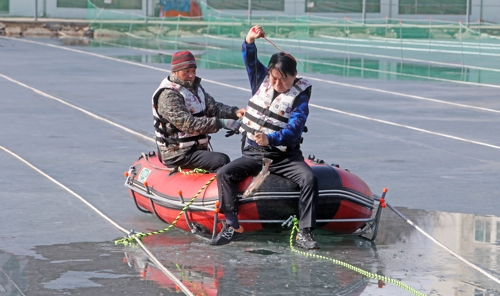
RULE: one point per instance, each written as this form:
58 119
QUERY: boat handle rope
132 236
381 279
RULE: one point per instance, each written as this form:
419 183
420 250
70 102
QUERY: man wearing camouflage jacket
184 115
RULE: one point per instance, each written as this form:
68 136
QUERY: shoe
305 240
227 235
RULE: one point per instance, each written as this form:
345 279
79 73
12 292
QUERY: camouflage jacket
172 107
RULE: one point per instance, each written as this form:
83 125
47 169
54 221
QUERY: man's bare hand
261 139
254 33
240 113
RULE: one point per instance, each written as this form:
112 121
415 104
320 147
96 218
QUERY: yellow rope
351 267
194 171
131 238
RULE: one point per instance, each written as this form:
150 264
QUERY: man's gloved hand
233 126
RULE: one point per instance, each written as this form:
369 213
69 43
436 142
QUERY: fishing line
153 258
284 52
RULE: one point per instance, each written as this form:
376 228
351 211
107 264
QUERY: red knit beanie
182 60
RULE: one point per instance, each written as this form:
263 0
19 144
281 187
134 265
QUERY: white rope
443 246
153 258
405 95
76 107
12 281
407 127
164 269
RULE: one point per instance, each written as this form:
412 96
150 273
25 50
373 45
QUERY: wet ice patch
79 279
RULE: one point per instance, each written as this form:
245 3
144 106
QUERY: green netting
381 48
216 22
4 5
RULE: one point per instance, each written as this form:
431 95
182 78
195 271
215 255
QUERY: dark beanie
182 60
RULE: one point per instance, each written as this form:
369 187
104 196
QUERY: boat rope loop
382 279
130 239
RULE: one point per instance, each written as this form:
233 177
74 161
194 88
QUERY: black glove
233 126
230 133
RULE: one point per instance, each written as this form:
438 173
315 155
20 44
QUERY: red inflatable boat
345 206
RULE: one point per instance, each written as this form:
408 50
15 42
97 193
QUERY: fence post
401 41
249 11
161 26
131 22
385 36
276 27
208 29
430 34
481 10
461 45
348 31
364 11
36 10
479 39
467 16
390 9
177 30
308 25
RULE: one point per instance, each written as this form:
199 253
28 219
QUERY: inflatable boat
189 199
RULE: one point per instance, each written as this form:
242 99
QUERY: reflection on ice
264 264
400 252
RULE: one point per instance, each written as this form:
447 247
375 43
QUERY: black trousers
288 164
201 159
